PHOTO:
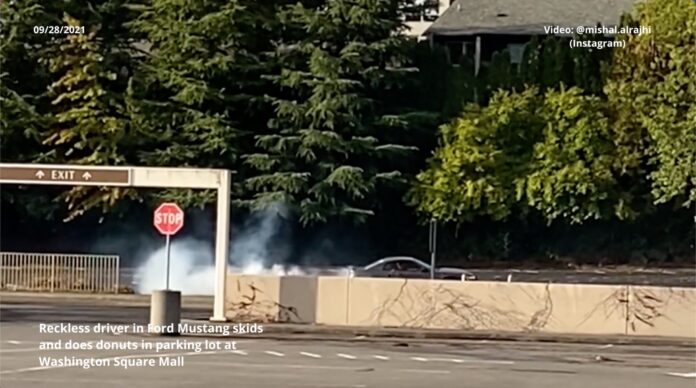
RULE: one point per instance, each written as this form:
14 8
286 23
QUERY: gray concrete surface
194 302
670 277
271 363
35 308
678 277
310 362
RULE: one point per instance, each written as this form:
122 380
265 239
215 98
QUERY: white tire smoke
192 269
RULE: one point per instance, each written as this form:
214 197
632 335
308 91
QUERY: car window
410 266
401 265
390 266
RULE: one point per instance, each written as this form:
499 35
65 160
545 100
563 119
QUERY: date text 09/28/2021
59 30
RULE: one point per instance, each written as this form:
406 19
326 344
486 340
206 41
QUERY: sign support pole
222 236
433 246
169 250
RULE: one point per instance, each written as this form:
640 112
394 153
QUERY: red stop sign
169 219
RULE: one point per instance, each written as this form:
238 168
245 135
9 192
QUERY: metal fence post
118 273
53 271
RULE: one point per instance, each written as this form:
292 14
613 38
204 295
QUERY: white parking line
455 360
13 342
422 359
324 385
272 353
240 352
497 362
686 375
313 355
348 356
25 350
430 371
36 349
470 361
384 358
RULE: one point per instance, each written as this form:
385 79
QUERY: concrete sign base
165 312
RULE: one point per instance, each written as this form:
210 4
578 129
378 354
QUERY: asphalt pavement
252 361
273 363
673 277
661 277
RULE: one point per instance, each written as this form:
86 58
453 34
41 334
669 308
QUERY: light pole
433 246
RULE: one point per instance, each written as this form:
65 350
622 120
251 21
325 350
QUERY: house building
479 28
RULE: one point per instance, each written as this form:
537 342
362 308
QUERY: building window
516 52
455 50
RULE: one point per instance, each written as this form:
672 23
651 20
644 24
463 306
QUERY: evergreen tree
193 94
59 99
22 80
23 102
434 70
336 135
500 73
90 125
589 65
530 67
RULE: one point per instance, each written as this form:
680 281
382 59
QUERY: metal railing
59 272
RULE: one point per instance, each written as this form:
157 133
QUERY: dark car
410 267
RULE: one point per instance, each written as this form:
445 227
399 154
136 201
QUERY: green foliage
555 63
571 173
193 91
89 124
174 100
500 73
441 87
23 82
652 92
551 152
589 66
483 154
546 62
20 81
335 139
530 66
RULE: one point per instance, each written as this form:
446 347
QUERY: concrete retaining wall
252 298
298 297
512 307
516 307
332 300
661 311
268 298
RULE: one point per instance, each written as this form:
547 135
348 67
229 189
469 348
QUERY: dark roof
526 17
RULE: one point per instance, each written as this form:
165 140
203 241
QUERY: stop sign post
168 220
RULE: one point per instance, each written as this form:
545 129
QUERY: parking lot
153 361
